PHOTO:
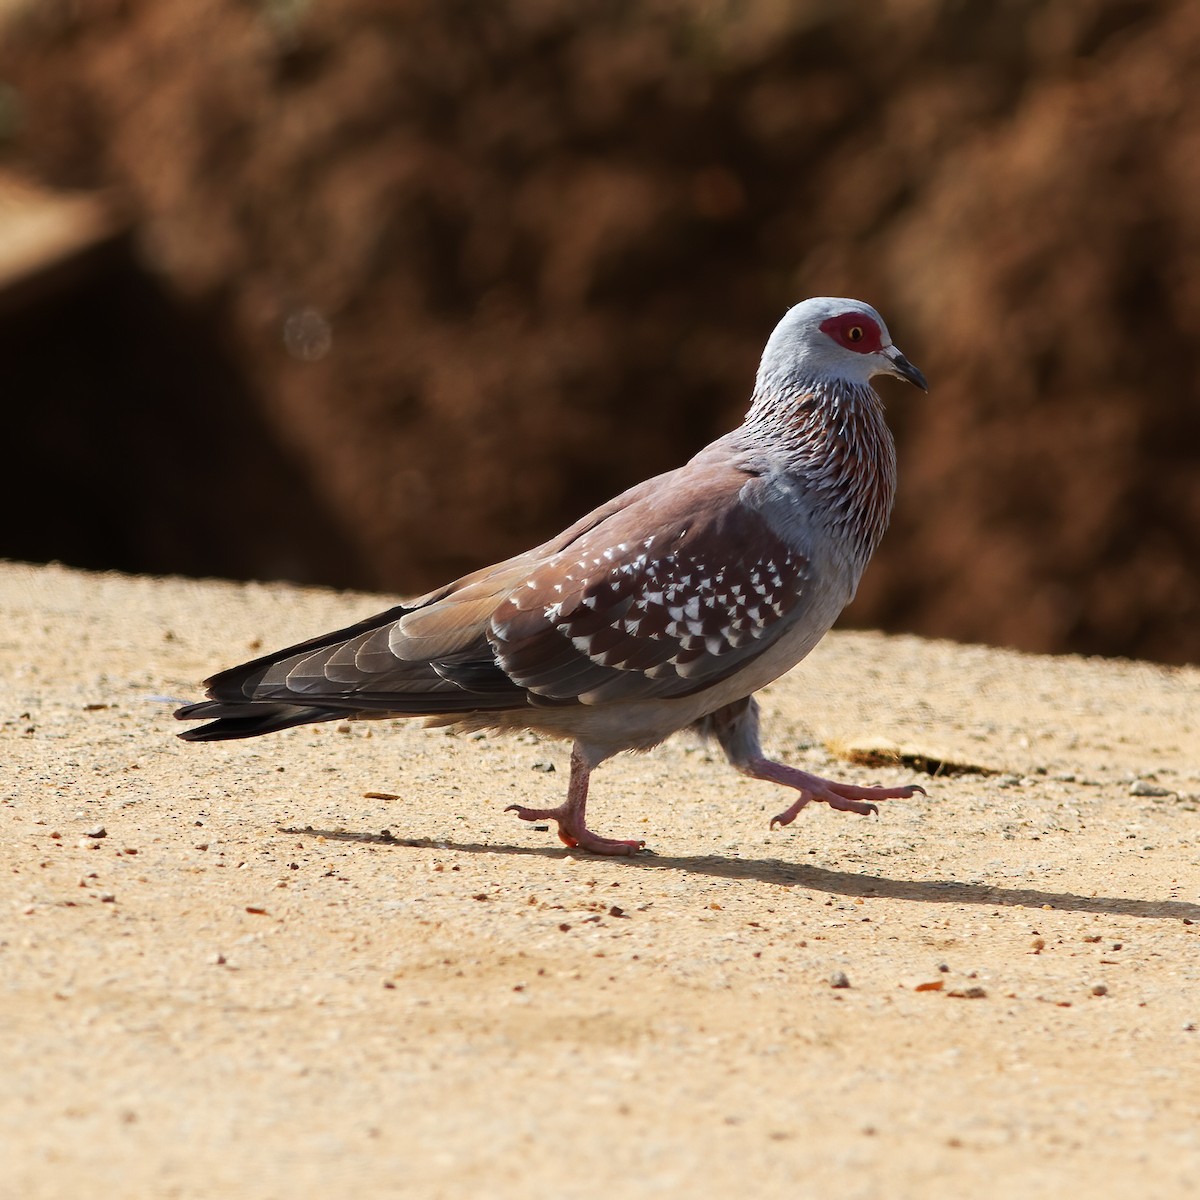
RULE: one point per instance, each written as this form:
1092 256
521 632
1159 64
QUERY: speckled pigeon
665 608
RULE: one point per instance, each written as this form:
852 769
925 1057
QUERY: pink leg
572 829
846 797
736 728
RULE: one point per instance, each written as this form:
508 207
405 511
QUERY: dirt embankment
474 268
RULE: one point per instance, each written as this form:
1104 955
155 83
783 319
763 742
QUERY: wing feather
665 591
653 614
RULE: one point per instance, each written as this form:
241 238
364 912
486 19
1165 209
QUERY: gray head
832 339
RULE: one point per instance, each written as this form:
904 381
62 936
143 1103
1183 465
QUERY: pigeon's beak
899 366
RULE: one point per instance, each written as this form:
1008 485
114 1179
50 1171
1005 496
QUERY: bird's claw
572 832
845 797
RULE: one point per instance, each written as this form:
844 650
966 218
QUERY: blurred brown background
368 293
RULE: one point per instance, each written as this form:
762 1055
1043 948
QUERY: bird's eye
852 331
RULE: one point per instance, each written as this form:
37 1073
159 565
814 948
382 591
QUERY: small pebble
1142 788
543 765
96 831
839 979
1099 989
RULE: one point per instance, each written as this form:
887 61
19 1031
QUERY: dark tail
235 714
247 719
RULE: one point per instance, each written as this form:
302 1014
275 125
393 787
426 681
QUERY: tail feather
243 704
237 683
229 719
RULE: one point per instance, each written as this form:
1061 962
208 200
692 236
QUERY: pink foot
573 832
845 797
570 815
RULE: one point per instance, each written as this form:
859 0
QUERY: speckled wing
665 598
663 592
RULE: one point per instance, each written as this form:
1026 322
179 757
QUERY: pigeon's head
828 339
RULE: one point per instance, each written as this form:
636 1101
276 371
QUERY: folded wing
662 593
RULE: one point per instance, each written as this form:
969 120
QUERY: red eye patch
856 331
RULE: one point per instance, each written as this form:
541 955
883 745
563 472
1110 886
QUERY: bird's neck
830 437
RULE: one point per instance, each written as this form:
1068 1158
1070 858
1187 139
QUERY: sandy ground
247 988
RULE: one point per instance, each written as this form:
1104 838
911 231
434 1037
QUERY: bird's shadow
818 879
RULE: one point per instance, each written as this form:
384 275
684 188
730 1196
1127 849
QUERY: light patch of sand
244 989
